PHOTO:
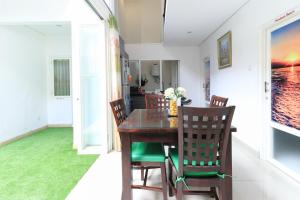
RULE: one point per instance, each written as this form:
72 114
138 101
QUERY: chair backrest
156 101
119 110
203 135
217 101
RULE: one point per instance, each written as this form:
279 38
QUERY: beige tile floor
254 179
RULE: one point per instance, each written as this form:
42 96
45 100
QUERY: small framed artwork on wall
225 51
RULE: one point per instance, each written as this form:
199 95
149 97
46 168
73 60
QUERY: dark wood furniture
200 160
217 101
137 101
156 101
148 155
153 125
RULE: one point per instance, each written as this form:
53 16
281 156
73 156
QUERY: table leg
228 171
126 166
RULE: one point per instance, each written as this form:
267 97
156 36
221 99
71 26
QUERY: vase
173 108
173 122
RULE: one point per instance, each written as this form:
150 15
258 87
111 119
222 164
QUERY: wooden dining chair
143 155
203 135
217 101
156 101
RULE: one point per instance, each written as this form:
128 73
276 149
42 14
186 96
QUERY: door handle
266 87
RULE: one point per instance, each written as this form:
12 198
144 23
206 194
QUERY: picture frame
225 50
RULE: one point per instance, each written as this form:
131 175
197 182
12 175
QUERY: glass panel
169 74
207 80
287 149
135 73
150 75
91 70
61 77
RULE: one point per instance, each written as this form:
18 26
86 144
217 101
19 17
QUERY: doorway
206 84
281 95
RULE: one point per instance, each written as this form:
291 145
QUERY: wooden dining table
154 125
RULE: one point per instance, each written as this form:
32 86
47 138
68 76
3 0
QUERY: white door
90 118
282 94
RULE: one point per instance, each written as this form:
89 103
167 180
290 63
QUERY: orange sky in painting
286 45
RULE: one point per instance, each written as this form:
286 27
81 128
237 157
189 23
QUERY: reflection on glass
150 75
169 74
135 73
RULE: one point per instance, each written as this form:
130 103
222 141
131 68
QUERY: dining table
154 125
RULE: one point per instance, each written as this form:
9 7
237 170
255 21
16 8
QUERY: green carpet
42 166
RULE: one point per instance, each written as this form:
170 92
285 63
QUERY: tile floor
253 180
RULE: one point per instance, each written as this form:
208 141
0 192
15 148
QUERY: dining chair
143 155
156 101
200 159
217 101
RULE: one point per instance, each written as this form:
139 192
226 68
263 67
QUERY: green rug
42 166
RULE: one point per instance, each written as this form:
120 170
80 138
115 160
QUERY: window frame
52 76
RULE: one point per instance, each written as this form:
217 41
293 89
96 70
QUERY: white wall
60 109
241 81
76 12
189 66
22 81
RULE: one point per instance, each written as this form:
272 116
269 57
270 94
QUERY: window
61 69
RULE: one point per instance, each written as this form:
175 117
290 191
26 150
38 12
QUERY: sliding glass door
90 118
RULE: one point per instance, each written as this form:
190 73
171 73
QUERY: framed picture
285 81
225 50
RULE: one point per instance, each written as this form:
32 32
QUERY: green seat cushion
147 152
175 160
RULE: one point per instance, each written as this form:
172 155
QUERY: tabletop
149 121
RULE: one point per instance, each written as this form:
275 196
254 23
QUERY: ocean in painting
285 49
286 96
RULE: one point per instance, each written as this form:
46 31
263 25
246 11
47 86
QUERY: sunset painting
285 51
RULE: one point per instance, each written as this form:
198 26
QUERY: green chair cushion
174 156
147 152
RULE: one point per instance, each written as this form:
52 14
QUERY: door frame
265 89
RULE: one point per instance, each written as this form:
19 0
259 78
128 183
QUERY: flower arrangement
173 95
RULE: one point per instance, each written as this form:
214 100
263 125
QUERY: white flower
180 92
174 94
170 93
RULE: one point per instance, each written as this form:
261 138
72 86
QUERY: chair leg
179 194
170 179
164 181
222 192
146 177
213 190
142 173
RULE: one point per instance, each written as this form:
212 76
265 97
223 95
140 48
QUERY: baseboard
60 125
34 131
245 147
22 135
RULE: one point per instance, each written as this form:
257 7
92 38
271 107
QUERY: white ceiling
200 17
51 29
